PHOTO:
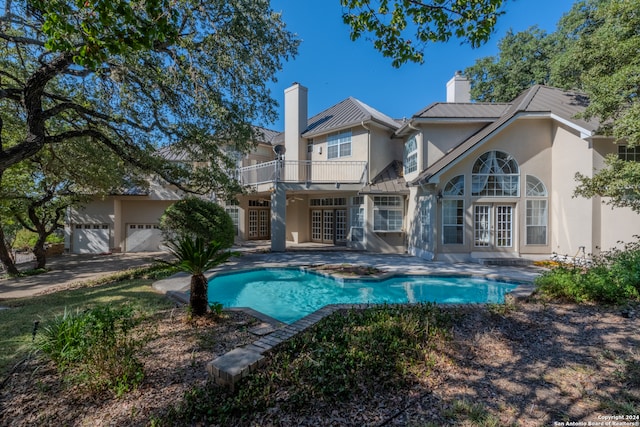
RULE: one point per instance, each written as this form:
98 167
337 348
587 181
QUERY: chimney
295 121
459 88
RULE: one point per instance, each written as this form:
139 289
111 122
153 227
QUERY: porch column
278 213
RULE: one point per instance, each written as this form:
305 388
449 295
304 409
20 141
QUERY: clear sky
333 67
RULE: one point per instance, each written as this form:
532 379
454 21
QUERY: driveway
71 268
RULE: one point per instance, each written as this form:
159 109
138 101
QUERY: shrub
193 217
613 278
95 348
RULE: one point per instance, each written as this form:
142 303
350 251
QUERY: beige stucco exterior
359 200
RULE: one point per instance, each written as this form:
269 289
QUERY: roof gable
349 112
555 103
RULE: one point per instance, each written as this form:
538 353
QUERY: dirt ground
532 364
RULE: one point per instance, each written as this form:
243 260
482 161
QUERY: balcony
304 171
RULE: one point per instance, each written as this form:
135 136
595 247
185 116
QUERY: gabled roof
267 136
350 112
546 101
388 181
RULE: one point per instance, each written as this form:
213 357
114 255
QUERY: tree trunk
5 256
40 252
198 299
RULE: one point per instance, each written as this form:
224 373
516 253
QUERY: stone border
240 362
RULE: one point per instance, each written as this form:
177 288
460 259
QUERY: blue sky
333 67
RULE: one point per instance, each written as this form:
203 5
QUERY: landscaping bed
530 364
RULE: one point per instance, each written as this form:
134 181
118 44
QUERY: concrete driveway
72 268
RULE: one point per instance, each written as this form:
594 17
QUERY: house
457 181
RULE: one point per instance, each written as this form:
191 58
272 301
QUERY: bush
95 348
613 278
193 217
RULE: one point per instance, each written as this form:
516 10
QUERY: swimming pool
288 294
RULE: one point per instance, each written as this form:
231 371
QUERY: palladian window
495 174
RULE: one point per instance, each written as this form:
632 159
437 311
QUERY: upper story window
339 145
495 174
630 154
411 155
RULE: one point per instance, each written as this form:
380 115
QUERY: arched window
537 211
455 186
495 174
453 211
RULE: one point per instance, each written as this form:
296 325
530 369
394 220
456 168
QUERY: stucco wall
438 139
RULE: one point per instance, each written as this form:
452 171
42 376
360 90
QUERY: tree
195 256
134 75
401 31
524 60
193 217
39 190
619 182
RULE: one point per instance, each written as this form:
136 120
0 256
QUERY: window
453 211
630 154
387 213
339 145
495 174
536 212
452 221
411 155
455 186
233 213
425 220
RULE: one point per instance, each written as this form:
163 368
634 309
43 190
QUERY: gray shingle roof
537 99
350 112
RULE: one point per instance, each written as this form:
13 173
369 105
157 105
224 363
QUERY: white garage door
143 238
91 239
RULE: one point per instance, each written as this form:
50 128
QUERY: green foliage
134 76
614 278
197 218
401 31
216 308
196 257
523 61
618 182
95 348
25 239
348 356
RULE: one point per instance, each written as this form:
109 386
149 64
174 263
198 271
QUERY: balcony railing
304 171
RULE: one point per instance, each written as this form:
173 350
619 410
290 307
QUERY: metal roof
349 112
459 110
388 181
536 100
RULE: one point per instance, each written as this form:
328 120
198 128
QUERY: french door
493 226
329 225
259 224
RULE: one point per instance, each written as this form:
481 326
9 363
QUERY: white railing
304 171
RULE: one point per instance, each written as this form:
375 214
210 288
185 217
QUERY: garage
91 239
143 238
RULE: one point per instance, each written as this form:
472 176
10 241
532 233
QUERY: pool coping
240 362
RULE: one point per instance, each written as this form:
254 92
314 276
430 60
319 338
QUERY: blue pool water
290 294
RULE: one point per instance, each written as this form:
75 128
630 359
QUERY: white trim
584 133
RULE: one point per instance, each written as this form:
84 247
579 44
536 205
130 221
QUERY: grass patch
128 287
347 357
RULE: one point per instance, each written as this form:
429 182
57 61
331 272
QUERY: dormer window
339 145
410 155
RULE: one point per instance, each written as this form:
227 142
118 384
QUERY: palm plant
195 256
